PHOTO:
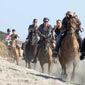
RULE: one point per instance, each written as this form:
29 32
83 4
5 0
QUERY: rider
44 31
58 27
78 30
8 37
32 28
63 32
14 36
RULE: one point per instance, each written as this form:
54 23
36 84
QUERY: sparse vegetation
2 34
3 50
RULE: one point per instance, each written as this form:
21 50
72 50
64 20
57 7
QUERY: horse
13 51
69 50
29 49
83 50
45 54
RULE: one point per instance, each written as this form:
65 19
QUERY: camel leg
17 56
49 65
42 68
26 64
29 65
64 73
13 56
73 72
17 60
10 53
75 63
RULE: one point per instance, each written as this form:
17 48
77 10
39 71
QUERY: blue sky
18 14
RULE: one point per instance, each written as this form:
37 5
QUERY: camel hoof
64 77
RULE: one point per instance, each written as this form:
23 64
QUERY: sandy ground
27 78
56 71
11 74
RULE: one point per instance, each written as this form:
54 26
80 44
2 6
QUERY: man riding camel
64 30
44 31
14 36
58 27
32 34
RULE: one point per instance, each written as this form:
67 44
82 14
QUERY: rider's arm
64 25
79 28
40 34
50 31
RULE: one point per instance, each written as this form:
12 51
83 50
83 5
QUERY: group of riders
10 37
45 30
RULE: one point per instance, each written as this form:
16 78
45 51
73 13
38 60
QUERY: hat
70 13
8 30
13 30
45 19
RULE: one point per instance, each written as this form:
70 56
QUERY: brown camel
69 51
13 51
45 54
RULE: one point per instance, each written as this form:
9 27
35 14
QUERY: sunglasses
45 21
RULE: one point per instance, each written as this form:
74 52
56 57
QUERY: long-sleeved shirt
31 30
43 32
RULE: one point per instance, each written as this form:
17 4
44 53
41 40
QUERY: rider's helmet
45 19
8 30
